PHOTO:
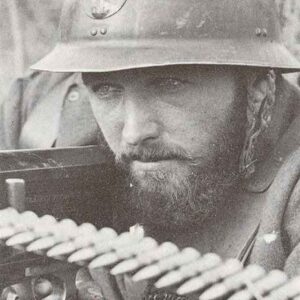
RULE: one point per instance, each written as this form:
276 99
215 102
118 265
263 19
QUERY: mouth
153 159
151 165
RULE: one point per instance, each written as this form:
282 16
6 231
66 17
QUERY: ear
261 89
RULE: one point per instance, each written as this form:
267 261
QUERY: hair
261 98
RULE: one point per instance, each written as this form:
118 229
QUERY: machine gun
57 181
41 255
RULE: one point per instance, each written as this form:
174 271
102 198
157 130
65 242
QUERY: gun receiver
58 179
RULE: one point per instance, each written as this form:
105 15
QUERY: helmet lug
258 31
94 32
103 31
261 32
265 32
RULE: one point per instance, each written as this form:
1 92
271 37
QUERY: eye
107 90
169 84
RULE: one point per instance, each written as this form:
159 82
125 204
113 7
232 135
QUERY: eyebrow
154 80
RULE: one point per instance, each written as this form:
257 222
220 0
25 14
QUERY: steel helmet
111 35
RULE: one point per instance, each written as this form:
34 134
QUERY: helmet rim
123 55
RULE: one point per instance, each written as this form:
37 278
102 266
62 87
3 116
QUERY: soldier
40 110
190 98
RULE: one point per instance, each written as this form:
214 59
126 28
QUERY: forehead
179 71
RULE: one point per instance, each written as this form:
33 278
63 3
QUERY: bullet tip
62 249
103 261
169 279
216 292
20 239
147 273
41 244
125 267
84 254
190 286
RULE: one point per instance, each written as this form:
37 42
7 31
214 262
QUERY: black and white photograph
149 149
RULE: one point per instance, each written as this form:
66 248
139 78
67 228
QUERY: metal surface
58 179
168 32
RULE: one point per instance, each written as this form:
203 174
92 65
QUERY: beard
185 190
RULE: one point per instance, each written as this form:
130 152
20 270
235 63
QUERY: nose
140 123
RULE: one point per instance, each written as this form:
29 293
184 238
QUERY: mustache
153 153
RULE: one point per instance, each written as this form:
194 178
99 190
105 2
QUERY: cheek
191 132
108 118
195 127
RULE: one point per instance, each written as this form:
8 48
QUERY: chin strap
182 272
261 99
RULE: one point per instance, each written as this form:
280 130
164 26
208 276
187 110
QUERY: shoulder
287 186
37 84
290 92
279 232
32 95
33 85
291 224
26 92
41 87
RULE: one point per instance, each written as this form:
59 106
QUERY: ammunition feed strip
185 271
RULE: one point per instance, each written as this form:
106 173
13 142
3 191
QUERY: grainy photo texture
149 150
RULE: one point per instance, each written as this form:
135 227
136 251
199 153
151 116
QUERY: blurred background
28 30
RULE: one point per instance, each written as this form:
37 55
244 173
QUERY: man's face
177 130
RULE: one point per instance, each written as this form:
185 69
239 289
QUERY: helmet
111 35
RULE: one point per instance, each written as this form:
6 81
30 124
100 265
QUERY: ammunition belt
183 271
